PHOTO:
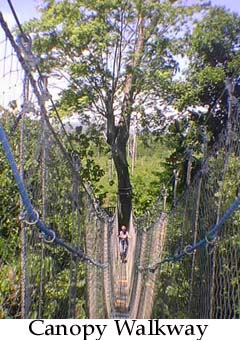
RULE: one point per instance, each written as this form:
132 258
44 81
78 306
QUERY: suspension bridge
185 261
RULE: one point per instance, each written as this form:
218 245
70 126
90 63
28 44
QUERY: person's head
123 228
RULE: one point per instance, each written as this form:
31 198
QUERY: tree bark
117 135
119 154
117 138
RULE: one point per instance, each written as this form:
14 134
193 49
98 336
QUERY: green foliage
214 56
92 42
148 176
60 217
215 39
173 292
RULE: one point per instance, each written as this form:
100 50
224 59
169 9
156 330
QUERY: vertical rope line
188 181
148 255
135 298
196 219
189 167
230 88
176 173
195 232
108 251
131 260
90 273
100 276
24 302
120 287
110 168
111 252
75 240
44 210
110 272
115 260
98 238
184 219
77 199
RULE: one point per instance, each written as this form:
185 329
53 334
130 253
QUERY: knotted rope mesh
150 239
99 228
205 284
39 277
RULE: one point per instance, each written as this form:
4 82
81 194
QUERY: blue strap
210 238
31 213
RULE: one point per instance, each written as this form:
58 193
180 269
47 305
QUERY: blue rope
210 237
215 229
31 213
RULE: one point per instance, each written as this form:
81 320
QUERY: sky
233 5
27 9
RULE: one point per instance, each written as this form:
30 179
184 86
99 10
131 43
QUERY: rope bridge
185 263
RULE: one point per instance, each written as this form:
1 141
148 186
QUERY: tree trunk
119 151
117 136
117 139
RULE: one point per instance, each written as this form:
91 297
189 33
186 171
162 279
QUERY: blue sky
26 9
234 5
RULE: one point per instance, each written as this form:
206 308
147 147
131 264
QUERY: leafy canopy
96 45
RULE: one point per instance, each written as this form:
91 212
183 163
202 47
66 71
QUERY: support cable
41 98
210 237
31 213
24 302
44 212
41 76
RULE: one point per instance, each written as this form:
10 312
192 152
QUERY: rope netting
99 228
203 232
60 222
150 238
40 271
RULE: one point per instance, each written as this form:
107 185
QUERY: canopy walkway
185 261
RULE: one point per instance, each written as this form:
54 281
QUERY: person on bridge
123 238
